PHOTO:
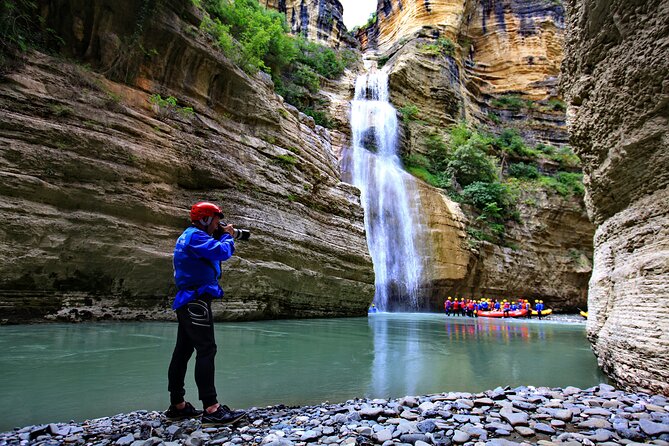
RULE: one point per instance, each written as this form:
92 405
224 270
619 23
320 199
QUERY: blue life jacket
197 264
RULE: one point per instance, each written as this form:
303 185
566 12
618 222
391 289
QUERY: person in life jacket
198 254
540 307
447 306
507 308
528 308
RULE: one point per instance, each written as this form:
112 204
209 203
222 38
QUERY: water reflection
274 362
415 355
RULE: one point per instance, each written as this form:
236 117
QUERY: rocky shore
600 415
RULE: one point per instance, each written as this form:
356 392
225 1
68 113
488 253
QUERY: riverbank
599 415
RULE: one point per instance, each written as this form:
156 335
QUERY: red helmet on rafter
203 209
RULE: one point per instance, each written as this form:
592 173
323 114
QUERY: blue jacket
197 264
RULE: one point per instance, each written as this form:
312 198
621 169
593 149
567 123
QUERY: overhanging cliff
615 77
99 170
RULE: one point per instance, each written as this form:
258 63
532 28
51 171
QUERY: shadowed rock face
318 20
97 181
615 78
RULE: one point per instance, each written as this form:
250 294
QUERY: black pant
195 332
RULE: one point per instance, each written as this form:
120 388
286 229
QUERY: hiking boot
222 416
181 414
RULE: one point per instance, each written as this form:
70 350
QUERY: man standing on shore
197 256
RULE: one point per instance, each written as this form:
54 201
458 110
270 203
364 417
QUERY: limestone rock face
615 78
548 256
508 45
318 20
97 180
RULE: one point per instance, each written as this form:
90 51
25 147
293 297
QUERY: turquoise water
56 372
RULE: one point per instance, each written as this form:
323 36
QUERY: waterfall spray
389 196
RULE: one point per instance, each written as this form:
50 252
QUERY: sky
356 12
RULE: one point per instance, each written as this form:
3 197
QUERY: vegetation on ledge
491 172
257 38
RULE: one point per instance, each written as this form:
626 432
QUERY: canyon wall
318 20
99 172
455 60
616 80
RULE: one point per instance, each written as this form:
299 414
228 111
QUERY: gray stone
364 430
524 431
563 415
427 405
126 440
501 442
409 401
653 429
412 438
631 434
409 415
484 402
514 418
421 443
597 411
384 435
544 428
464 404
460 436
601 435
570 390
312 435
426 426
595 423
371 412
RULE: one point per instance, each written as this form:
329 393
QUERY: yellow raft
543 312
584 314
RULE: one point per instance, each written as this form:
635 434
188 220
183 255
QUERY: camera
238 234
241 234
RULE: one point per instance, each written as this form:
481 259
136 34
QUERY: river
58 372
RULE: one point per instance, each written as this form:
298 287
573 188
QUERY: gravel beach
600 415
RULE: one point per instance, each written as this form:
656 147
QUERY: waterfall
388 194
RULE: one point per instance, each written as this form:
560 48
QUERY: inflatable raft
584 314
517 313
543 312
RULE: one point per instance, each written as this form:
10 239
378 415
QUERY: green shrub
286 161
409 112
481 195
425 175
306 77
511 142
494 118
564 183
322 59
522 170
566 158
470 163
321 118
510 102
557 105
261 39
442 47
460 134
446 46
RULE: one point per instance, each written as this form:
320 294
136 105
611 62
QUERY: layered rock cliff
615 76
99 171
318 20
495 65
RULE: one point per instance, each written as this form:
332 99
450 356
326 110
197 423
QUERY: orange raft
516 313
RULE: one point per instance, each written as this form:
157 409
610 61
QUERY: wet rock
595 423
543 428
653 429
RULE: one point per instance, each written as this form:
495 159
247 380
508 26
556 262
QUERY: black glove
218 232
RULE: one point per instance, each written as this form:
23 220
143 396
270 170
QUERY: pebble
599 415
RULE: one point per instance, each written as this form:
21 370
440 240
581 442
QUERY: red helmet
203 209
